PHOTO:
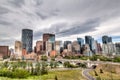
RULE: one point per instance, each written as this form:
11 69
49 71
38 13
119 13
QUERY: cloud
68 18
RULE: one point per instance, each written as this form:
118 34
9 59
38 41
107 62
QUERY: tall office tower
97 48
80 41
75 47
106 39
27 39
66 44
117 45
50 38
90 41
69 47
39 46
86 50
18 47
58 46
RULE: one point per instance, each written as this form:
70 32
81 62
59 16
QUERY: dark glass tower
89 40
106 39
80 41
27 39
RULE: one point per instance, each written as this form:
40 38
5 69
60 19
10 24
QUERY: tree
66 64
95 73
44 58
101 71
56 77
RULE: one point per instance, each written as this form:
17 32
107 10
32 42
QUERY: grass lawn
61 75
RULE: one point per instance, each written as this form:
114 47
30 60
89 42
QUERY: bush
68 65
44 58
83 65
56 77
101 71
5 72
95 73
116 59
44 69
18 73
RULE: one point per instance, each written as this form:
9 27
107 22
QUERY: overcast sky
68 19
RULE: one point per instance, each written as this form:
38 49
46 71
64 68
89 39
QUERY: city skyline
67 19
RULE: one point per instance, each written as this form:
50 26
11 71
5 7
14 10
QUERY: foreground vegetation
24 70
106 72
61 75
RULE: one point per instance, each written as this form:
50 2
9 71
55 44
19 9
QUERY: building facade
39 46
66 44
18 47
4 51
117 45
27 40
58 46
75 47
108 49
50 38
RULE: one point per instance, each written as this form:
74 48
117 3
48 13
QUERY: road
86 74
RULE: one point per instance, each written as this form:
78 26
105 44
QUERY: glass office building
90 41
106 39
27 40
80 41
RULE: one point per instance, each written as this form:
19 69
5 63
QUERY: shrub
20 73
5 72
95 73
101 71
44 58
66 64
44 68
56 77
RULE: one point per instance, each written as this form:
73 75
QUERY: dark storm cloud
2 22
64 30
88 26
3 10
16 3
41 15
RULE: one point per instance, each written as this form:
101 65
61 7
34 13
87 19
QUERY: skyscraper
75 47
27 39
90 41
80 41
18 47
50 38
39 47
66 44
106 39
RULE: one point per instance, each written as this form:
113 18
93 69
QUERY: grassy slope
106 75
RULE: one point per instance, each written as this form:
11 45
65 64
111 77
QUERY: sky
68 19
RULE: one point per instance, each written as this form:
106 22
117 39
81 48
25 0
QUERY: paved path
86 74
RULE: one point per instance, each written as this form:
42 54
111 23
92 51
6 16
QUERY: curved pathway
86 74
